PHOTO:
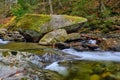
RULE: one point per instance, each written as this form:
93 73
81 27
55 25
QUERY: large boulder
33 22
34 26
69 23
46 23
55 36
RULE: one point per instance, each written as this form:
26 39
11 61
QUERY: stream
65 62
95 55
3 42
86 55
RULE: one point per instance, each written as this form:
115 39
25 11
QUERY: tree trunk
44 6
51 8
60 3
102 6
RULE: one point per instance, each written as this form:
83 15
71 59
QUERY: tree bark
51 7
60 3
44 5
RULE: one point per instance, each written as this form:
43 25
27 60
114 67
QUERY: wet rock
62 45
53 37
13 36
74 36
85 44
111 41
110 44
24 65
30 35
112 35
115 48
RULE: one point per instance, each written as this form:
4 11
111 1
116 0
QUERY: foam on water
56 67
85 55
3 42
97 55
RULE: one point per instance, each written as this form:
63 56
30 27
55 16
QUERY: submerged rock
91 70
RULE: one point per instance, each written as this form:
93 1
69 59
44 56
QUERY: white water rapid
85 55
97 55
56 67
3 42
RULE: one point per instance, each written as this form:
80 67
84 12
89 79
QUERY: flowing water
86 55
96 55
3 42
85 59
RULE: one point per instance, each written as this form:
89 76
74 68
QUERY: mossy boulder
69 23
33 21
40 24
55 36
20 46
46 23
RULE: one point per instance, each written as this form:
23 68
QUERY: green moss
33 21
20 46
1 25
29 47
24 79
5 53
91 70
75 19
95 77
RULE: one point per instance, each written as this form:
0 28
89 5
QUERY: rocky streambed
79 59
53 64
44 47
15 65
